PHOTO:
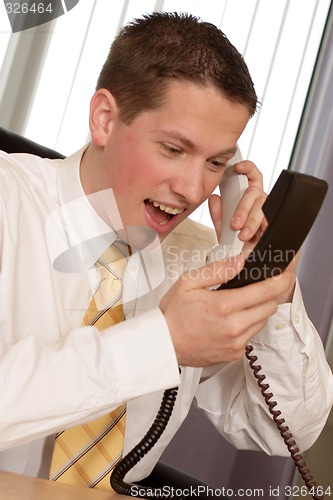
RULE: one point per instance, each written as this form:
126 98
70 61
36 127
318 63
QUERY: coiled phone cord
284 429
147 442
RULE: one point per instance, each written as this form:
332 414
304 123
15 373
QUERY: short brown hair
152 50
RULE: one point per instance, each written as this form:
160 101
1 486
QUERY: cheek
133 175
129 178
141 171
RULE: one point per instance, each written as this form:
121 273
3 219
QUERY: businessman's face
166 162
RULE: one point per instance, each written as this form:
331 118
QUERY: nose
189 182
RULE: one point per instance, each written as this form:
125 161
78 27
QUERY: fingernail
236 221
245 232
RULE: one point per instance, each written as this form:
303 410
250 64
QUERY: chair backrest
11 142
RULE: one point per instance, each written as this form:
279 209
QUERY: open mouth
160 213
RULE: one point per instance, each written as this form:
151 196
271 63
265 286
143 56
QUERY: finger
257 293
253 197
213 274
249 217
254 318
241 326
251 171
234 349
250 207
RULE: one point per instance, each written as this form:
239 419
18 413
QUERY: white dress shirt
55 373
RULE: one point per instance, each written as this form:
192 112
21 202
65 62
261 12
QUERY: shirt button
297 319
280 326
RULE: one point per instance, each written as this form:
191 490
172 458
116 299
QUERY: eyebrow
188 143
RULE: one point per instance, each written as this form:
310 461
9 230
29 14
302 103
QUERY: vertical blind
279 40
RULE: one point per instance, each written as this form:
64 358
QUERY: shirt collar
76 233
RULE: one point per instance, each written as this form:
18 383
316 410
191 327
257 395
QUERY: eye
218 164
171 149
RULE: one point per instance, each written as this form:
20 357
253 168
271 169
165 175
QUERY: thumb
213 274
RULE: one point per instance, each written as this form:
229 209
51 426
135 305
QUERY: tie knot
111 265
114 260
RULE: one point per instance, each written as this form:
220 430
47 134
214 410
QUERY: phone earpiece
232 188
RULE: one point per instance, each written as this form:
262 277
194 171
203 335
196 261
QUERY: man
171 102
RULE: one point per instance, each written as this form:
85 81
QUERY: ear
103 109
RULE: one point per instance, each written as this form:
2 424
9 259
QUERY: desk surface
19 487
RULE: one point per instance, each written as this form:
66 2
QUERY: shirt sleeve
96 370
292 358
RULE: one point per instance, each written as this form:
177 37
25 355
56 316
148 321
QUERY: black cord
142 448
284 429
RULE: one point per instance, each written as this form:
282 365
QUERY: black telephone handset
290 210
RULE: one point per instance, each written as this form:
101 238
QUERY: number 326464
25 8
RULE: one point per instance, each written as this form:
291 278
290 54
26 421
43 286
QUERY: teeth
168 210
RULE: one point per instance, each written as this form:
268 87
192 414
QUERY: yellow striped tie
85 455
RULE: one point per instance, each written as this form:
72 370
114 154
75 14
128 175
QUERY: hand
248 217
209 327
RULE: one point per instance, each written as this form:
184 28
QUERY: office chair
163 474
16 143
